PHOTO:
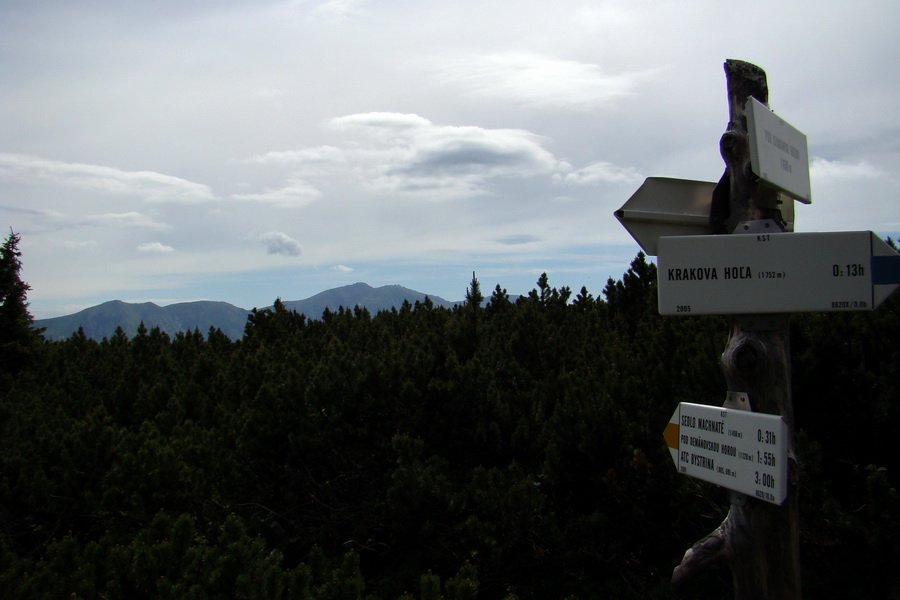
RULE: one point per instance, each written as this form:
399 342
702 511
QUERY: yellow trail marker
671 435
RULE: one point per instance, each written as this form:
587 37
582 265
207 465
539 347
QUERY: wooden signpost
760 541
758 274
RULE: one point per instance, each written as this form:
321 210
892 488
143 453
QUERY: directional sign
778 152
664 206
739 450
775 273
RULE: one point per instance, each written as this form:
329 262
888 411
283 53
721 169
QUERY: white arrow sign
739 450
775 273
663 206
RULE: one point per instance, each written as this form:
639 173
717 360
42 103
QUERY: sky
243 151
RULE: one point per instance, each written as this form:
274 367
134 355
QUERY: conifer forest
497 450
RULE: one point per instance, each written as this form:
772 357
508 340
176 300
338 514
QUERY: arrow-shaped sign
739 450
775 273
663 206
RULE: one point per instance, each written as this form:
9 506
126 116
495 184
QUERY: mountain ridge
361 294
101 321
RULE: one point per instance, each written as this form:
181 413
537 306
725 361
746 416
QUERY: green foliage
511 450
18 337
847 381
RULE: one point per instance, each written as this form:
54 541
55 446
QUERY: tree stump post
758 540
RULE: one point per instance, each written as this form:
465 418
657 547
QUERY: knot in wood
743 358
746 357
734 147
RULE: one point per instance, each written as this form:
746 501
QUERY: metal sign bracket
760 226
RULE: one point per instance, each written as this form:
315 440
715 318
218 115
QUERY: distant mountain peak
361 294
101 321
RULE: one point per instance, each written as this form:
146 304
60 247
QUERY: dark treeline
493 451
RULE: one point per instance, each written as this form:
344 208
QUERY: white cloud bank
148 185
400 153
821 168
541 82
599 172
127 220
294 193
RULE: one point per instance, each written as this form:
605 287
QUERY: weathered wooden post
758 540
758 276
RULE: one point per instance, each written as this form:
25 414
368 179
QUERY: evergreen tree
474 297
17 332
584 300
634 296
543 284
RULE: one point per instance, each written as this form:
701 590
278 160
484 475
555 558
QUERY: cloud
381 122
128 220
32 212
295 193
77 245
304 156
600 172
148 185
343 269
473 150
821 168
281 243
518 239
268 93
409 154
155 248
533 80
51 220
402 153
339 8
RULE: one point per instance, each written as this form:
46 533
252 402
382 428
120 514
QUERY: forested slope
507 451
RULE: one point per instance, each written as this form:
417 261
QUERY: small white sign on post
736 449
778 151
